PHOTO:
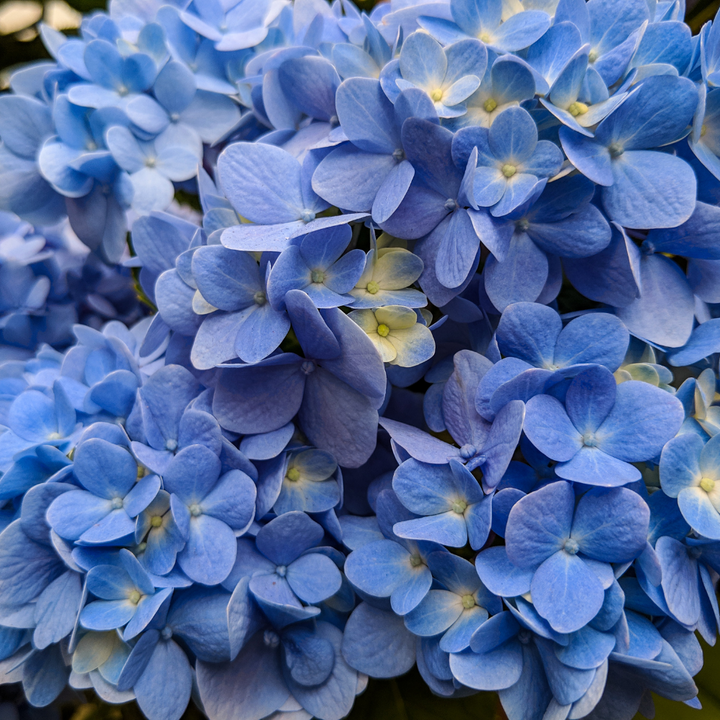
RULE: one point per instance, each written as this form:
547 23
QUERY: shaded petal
314 577
495 670
209 555
549 428
610 525
650 190
566 592
539 524
370 628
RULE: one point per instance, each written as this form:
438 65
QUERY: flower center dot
589 440
578 108
707 484
372 287
318 276
593 56
616 150
437 95
468 601
150 162
140 548
195 510
416 561
490 104
571 546
134 597
166 633
450 204
307 367
703 130
307 216
260 298
383 330
54 436
156 521
485 38
459 506
171 445
271 639
117 503
281 570
398 154
293 474
524 637
508 170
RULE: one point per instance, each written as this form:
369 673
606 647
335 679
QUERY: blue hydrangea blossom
426 378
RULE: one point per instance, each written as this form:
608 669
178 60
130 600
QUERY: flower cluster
432 380
48 282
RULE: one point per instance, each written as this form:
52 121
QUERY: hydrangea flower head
409 359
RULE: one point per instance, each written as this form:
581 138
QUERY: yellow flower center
156 521
578 108
436 95
459 506
383 330
293 474
707 484
134 597
468 601
508 170
490 104
372 287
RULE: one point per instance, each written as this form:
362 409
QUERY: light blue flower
447 75
153 166
511 161
309 484
126 597
208 509
487 21
457 609
602 427
689 471
567 550
245 325
111 496
641 187
282 566
270 188
451 504
318 267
